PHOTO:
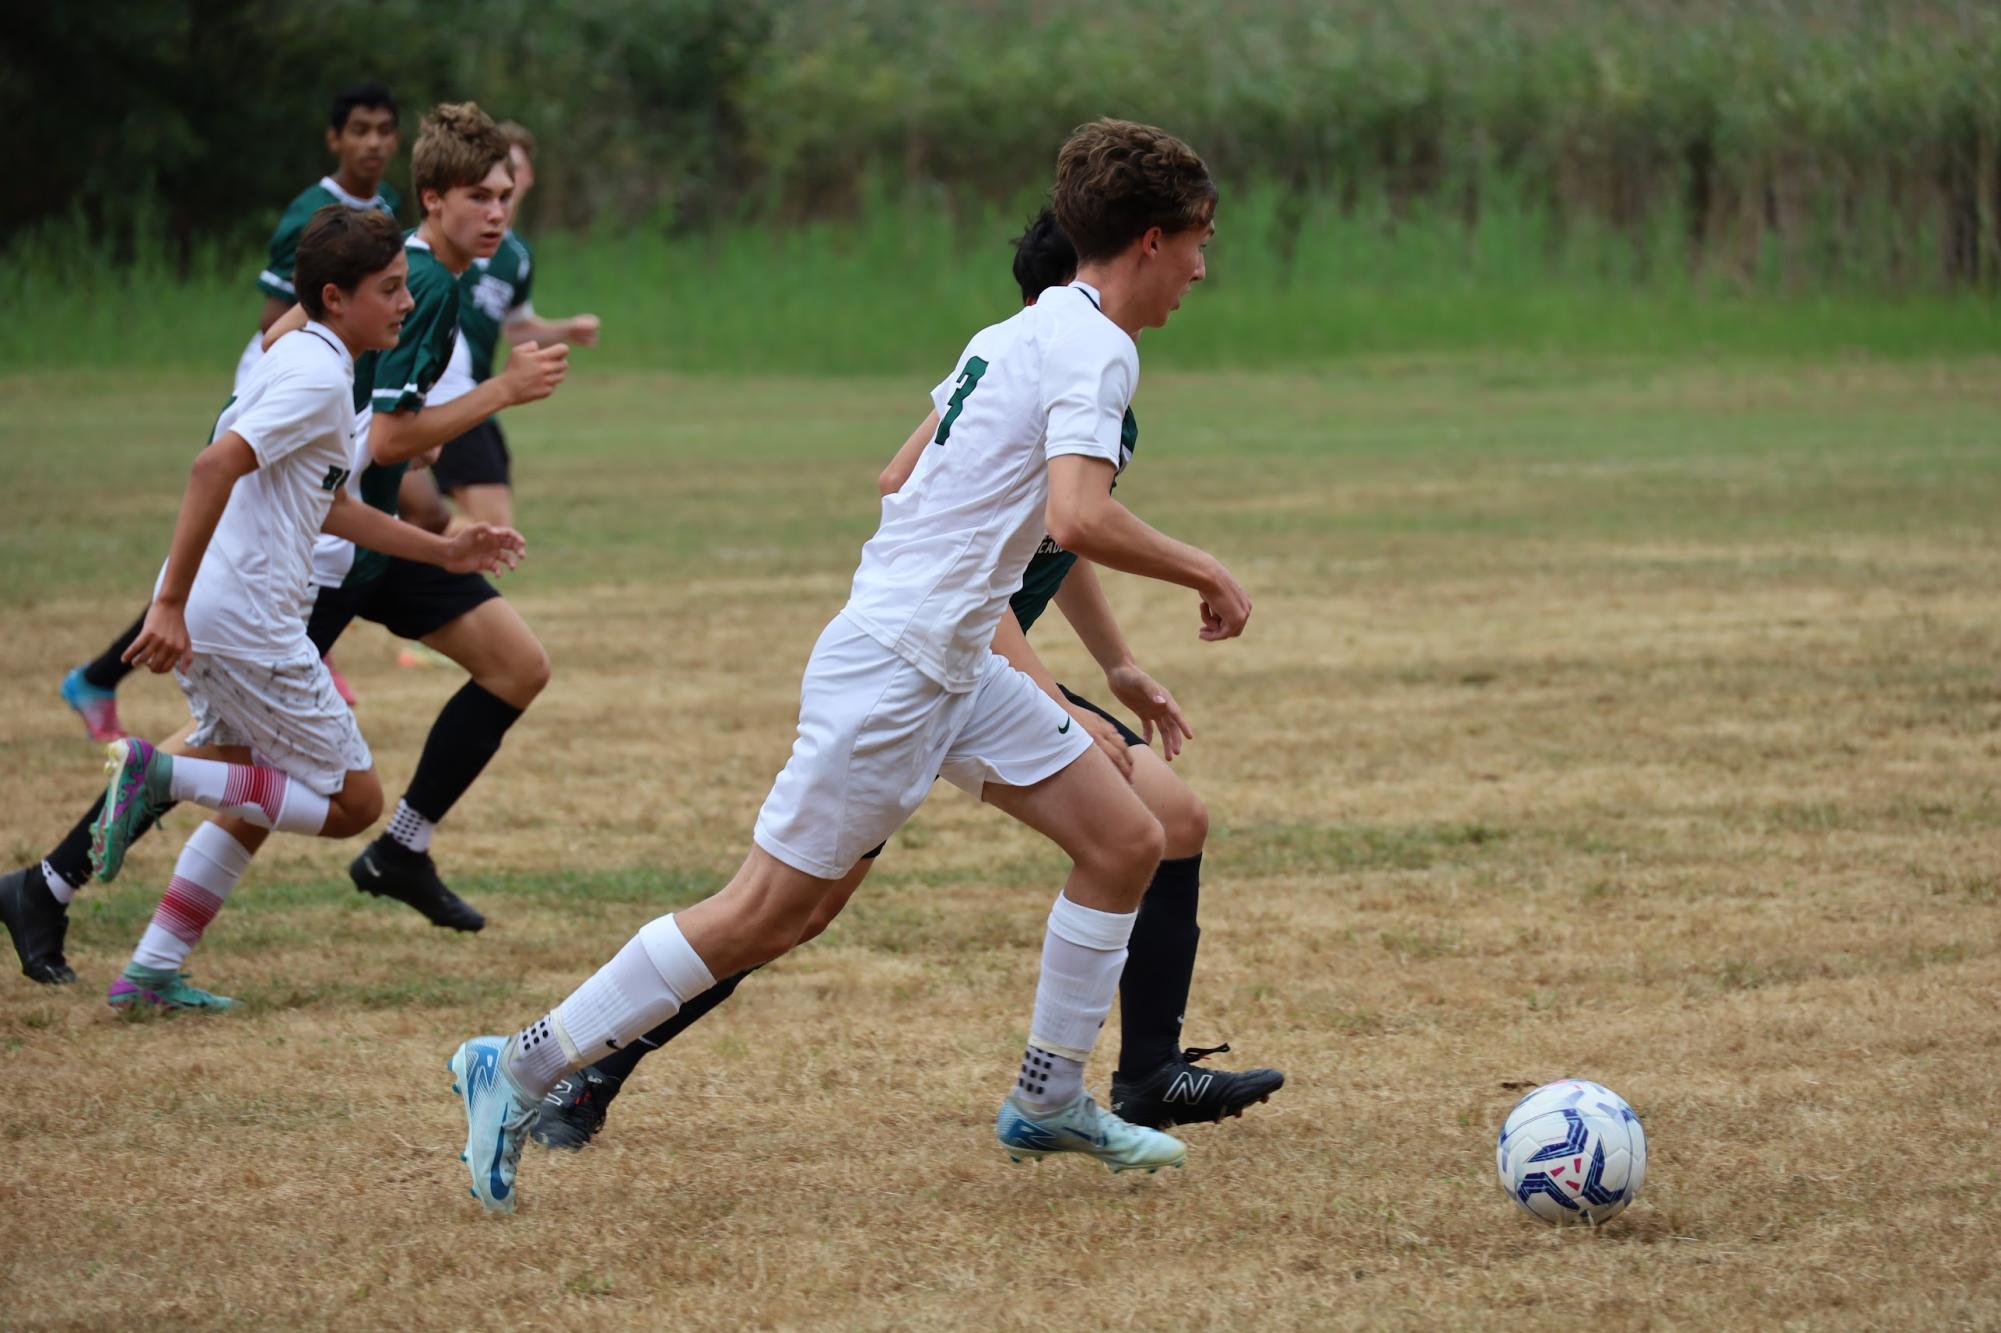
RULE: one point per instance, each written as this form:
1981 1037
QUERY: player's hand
1107 737
533 372
1156 708
162 644
583 330
1225 607
482 548
429 458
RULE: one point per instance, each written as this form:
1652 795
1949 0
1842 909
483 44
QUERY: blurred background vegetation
828 186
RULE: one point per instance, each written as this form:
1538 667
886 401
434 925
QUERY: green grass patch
899 289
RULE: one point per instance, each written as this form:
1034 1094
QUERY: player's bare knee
1125 853
1185 822
530 675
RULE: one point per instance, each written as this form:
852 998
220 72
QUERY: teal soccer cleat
161 988
497 1118
1083 1126
139 787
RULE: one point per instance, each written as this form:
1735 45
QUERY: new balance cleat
37 924
573 1111
141 779
97 707
388 869
161 988
1178 1093
497 1117
1083 1126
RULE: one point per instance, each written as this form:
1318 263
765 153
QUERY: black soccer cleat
1178 1093
573 1111
388 869
37 923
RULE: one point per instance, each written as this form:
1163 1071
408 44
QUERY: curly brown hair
456 145
1117 178
342 246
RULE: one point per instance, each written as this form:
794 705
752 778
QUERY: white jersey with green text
950 551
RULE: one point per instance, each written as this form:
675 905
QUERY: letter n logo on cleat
1188 1087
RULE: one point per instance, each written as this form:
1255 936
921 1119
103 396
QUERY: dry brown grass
1643 729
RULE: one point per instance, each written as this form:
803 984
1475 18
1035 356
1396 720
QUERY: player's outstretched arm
532 374
163 641
1083 517
476 548
900 467
1011 642
1082 600
290 322
524 325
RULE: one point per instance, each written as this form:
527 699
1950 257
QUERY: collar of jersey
1097 297
332 339
332 187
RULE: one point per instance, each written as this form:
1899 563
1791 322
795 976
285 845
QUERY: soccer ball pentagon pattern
1572 1151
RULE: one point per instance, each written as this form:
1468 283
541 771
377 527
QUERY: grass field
1631 722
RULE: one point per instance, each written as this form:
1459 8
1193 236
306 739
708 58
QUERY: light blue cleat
1083 1126
496 1121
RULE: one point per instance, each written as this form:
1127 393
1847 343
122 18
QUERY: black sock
1160 964
109 668
466 735
71 858
621 1062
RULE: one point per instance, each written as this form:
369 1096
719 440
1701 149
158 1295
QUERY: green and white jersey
276 279
1051 563
397 380
490 291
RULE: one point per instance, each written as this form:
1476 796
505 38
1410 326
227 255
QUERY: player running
474 470
903 684
461 173
460 170
273 746
1156 1083
362 135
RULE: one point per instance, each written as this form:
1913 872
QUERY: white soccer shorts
288 713
875 733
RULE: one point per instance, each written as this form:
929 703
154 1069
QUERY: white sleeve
1088 377
293 411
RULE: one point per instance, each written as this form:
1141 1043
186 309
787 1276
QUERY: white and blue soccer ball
1572 1151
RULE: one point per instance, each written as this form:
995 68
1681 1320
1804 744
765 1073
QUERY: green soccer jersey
490 291
276 279
397 380
1051 563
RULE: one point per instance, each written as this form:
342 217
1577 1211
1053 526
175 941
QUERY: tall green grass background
828 187
899 290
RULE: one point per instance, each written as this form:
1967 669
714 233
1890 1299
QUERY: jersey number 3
969 380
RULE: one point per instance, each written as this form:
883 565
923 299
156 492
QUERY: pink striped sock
262 796
208 868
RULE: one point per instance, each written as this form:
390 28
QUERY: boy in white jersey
361 134
903 685
273 745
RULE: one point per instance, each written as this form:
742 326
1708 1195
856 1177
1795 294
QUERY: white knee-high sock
262 796
1083 953
209 866
644 985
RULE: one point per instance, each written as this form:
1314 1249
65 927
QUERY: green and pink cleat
161 988
140 787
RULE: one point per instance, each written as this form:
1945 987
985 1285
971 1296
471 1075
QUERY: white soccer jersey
934 580
255 588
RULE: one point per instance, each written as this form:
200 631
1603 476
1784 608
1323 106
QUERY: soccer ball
1572 1152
